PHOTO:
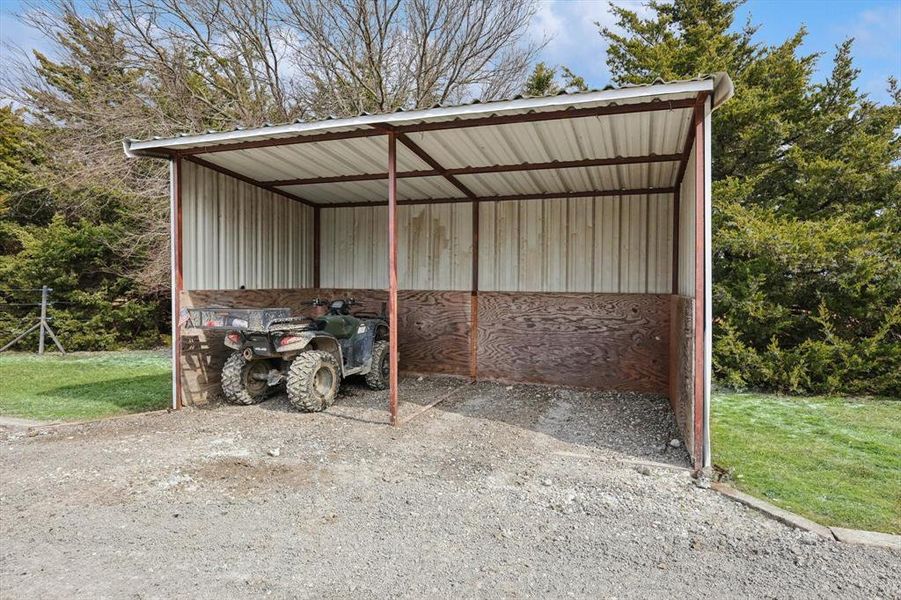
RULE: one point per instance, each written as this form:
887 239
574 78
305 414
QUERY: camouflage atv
309 355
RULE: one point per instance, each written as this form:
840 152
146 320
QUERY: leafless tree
223 59
160 67
381 55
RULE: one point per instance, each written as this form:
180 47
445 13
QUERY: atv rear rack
220 319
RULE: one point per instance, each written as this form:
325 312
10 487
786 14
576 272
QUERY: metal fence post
43 328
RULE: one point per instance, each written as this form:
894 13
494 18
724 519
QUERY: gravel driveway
499 492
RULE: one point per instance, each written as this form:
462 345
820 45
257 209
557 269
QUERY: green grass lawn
83 386
834 460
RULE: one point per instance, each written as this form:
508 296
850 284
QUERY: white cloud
877 33
571 28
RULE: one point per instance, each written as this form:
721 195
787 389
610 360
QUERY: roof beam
269 188
508 198
427 159
531 117
555 164
354 177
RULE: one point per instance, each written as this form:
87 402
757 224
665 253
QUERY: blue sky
574 41
875 25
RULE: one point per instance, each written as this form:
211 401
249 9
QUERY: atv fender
294 342
312 340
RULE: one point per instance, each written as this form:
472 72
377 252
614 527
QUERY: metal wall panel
611 244
236 234
434 247
687 230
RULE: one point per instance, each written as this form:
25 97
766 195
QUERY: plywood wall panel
433 329
604 341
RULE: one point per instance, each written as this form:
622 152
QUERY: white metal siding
687 229
235 234
434 247
610 244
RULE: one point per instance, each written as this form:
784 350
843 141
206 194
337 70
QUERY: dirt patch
499 491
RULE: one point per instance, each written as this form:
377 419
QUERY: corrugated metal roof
633 134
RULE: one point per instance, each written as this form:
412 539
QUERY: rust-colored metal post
675 332
317 228
392 276
700 291
175 176
675 268
474 297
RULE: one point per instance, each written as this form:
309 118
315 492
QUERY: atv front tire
377 377
242 381
313 381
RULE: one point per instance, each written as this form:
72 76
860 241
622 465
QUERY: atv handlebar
320 302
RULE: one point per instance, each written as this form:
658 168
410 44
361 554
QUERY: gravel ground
500 491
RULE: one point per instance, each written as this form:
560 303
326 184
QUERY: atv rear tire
377 377
238 383
313 381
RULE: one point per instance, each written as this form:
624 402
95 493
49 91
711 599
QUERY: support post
675 262
700 294
317 229
177 281
43 320
392 276
474 297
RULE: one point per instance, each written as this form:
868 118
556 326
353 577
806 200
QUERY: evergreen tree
807 265
543 81
69 240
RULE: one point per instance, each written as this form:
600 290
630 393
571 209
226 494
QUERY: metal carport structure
561 239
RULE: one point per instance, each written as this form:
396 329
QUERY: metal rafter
506 198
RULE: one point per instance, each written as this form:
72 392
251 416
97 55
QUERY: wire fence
21 304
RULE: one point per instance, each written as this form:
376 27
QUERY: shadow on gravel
631 425
625 424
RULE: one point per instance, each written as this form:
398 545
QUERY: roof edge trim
723 88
